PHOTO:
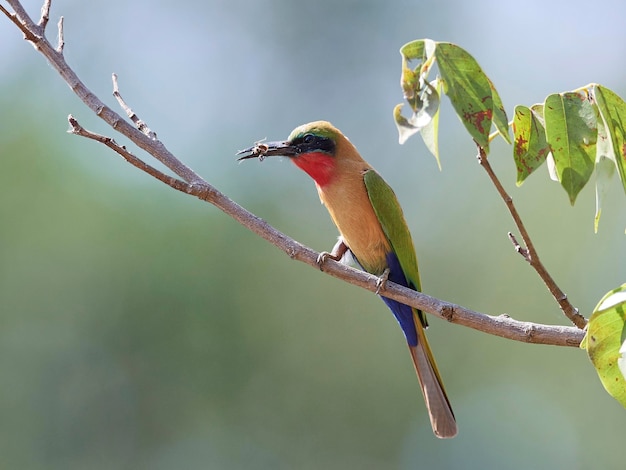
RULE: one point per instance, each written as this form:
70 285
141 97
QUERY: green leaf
537 110
531 147
412 79
613 111
422 50
499 114
472 94
415 50
605 345
469 90
572 132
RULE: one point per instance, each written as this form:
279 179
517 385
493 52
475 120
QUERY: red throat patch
317 165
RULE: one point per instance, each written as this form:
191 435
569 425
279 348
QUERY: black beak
261 150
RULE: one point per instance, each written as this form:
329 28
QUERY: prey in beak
262 149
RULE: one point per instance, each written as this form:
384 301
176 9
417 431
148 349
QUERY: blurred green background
141 328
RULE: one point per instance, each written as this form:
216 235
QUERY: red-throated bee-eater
373 229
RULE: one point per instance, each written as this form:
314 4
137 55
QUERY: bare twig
518 247
35 35
139 124
77 129
191 183
61 38
45 14
529 253
14 17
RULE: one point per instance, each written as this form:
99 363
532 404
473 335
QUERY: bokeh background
142 328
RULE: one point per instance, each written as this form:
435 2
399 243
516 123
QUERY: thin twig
529 253
61 38
14 17
191 183
139 124
518 247
45 14
77 129
34 34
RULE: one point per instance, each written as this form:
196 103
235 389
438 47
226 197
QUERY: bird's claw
321 259
339 250
381 282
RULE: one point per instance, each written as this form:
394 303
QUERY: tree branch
191 183
502 325
530 253
36 36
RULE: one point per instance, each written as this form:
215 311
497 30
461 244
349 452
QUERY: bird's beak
261 150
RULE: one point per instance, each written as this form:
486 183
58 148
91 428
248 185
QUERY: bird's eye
308 139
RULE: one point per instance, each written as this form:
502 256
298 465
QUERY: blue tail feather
403 313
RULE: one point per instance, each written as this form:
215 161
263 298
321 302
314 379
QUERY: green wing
391 219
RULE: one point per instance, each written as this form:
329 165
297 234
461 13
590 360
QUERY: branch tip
73 124
61 38
518 248
45 14
139 124
115 86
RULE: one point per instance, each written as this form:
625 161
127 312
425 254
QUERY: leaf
469 90
422 50
537 110
425 111
499 114
422 96
405 129
531 147
621 361
605 167
604 342
604 171
430 132
413 50
571 131
613 111
472 94
412 80
409 80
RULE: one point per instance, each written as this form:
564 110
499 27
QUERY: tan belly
358 225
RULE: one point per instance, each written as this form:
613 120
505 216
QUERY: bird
373 231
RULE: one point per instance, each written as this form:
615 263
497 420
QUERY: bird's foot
339 250
322 257
381 283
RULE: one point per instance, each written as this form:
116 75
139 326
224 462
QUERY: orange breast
346 199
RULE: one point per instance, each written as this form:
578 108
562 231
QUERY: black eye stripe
312 143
